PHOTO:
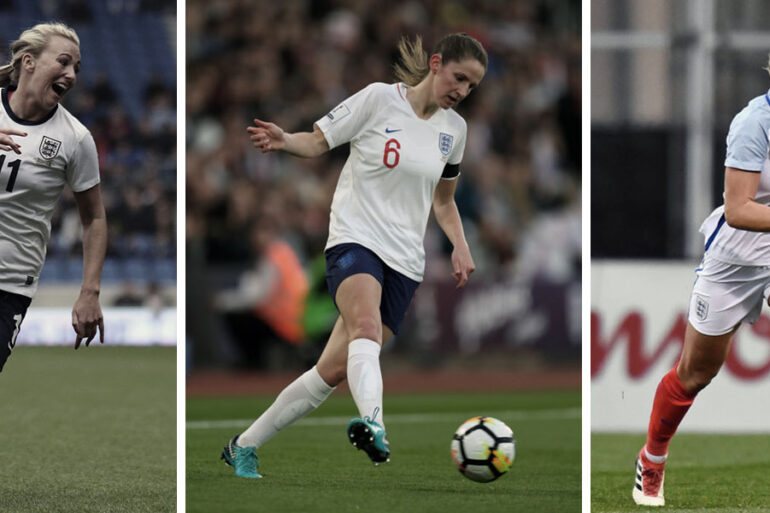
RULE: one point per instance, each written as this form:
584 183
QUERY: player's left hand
87 318
462 263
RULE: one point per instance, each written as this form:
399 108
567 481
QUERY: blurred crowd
290 62
136 148
137 161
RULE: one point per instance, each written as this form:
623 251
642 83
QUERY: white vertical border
181 171
586 260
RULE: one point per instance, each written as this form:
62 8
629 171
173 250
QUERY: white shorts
725 295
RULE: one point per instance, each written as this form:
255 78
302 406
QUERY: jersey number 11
14 165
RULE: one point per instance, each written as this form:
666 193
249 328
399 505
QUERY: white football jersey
385 191
56 151
747 149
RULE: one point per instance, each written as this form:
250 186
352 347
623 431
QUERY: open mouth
59 89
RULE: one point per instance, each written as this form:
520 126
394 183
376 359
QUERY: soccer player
732 282
42 149
406 144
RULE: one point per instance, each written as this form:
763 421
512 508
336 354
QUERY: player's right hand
7 143
266 136
87 319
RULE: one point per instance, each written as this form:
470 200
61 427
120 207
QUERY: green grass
310 466
705 473
88 431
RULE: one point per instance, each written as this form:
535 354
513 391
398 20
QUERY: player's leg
702 357
333 363
354 276
716 310
13 308
299 398
373 311
397 293
358 300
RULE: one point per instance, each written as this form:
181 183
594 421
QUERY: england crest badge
701 308
49 148
445 143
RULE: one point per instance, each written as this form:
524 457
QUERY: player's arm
741 211
87 313
448 218
270 137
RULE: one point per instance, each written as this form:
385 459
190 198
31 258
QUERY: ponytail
414 62
454 47
5 75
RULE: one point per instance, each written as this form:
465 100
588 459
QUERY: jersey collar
17 119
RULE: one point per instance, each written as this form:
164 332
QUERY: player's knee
333 373
696 379
365 326
337 376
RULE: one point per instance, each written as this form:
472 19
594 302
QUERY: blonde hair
33 41
454 47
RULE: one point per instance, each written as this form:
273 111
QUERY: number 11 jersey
57 150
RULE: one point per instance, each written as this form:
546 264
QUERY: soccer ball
483 449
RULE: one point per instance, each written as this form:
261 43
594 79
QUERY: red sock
671 403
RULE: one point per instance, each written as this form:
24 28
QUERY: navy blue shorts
348 259
13 308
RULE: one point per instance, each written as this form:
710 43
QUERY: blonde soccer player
732 283
43 148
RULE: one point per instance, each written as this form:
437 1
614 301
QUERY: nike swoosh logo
388 131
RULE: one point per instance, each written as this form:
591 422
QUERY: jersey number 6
391 155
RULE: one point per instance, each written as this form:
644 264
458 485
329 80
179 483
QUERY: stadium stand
126 96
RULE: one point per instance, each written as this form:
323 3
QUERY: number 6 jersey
58 150
385 191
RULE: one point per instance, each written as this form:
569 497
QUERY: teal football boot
243 459
367 435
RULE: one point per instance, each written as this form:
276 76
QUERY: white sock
654 458
302 396
365 378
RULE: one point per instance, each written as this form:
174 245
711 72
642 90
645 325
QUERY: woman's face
53 73
455 80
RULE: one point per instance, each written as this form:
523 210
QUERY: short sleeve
458 148
83 168
746 144
347 120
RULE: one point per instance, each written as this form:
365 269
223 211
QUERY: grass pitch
310 466
88 431
705 473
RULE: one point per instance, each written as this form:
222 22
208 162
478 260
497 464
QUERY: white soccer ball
483 449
